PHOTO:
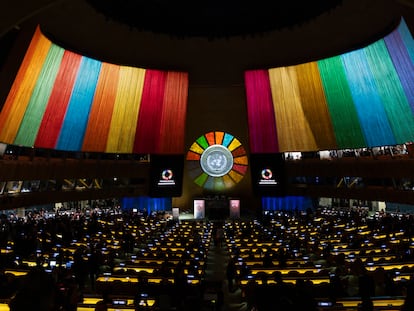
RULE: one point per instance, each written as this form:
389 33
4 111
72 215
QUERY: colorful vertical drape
67 101
363 98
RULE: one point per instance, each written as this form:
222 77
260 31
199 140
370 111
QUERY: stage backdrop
63 100
363 98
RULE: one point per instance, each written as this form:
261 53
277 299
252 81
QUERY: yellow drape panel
293 130
174 113
21 91
96 135
125 114
314 105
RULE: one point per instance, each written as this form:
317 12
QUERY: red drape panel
148 125
58 102
261 117
100 116
172 129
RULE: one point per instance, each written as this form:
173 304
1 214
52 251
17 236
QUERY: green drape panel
344 116
32 119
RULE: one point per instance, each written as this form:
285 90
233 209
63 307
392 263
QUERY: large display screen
166 175
268 176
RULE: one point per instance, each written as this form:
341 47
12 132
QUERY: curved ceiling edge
76 26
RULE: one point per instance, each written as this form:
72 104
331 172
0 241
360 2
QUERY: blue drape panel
76 119
390 91
371 113
288 203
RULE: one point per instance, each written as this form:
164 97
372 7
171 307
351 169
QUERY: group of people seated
326 253
86 253
292 259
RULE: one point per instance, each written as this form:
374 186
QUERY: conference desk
16 272
150 279
118 308
377 302
118 304
388 258
6 251
150 270
353 303
314 280
257 263
297 271
390 266
368 251
146 261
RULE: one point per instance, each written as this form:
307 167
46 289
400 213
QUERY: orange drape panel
314 105
22 87
100 116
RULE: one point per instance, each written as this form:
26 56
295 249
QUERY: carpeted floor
216 282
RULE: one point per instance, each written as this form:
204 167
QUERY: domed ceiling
214 42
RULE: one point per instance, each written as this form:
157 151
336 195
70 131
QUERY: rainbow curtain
364 98
66 101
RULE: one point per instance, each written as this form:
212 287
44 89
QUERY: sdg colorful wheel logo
167 175
217 161
267 174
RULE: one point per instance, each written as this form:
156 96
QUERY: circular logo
267 174
216 160
167 175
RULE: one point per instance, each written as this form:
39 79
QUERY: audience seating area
319 260
333 258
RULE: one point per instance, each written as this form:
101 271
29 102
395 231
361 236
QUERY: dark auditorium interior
223 155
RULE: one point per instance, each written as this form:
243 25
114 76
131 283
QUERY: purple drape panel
403 64
260 113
